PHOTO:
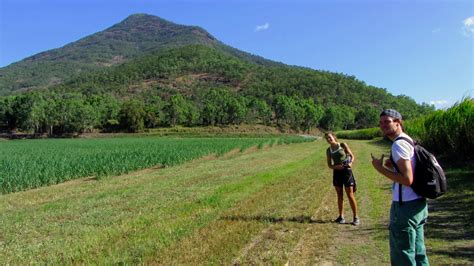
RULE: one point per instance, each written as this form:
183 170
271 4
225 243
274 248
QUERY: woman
340 159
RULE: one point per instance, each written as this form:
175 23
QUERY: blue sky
422 49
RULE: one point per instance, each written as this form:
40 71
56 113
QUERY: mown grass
264 206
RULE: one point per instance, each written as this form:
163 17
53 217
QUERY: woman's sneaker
356 221
340 220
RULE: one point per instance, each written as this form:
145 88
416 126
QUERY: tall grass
449 133
26 164
362 134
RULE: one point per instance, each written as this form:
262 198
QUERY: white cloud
263 27
469 21
468 28
438 30
440 104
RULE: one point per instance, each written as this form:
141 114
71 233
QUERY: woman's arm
348 152
329 160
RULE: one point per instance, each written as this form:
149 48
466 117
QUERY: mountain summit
134 36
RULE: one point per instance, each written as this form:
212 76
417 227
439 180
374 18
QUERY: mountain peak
142 16
149 33
136 19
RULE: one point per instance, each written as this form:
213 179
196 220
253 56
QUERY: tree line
55 114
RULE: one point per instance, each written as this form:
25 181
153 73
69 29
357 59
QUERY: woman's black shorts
343 178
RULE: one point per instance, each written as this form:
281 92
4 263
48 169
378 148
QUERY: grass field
263 206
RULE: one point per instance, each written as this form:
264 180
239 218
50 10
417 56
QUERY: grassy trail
273 205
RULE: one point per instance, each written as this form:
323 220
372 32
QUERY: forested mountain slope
189 70
137 35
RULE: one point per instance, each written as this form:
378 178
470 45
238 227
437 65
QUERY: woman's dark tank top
337 155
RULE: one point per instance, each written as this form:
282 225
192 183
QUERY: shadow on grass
451 216
271 219
461 252
380 142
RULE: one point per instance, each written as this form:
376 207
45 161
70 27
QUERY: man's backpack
429 180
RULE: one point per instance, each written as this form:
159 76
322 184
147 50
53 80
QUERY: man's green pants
407 243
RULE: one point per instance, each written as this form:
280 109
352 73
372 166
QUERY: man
409 211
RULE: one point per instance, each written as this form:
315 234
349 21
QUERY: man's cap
392 113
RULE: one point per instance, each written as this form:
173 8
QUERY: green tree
312 113
367 117
52 115
236 108
27 112
289 111
154 113
75 115
259 111
192 114
106 109
221 106
6 118
338 117
333 118
283 109
177 110
132 115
